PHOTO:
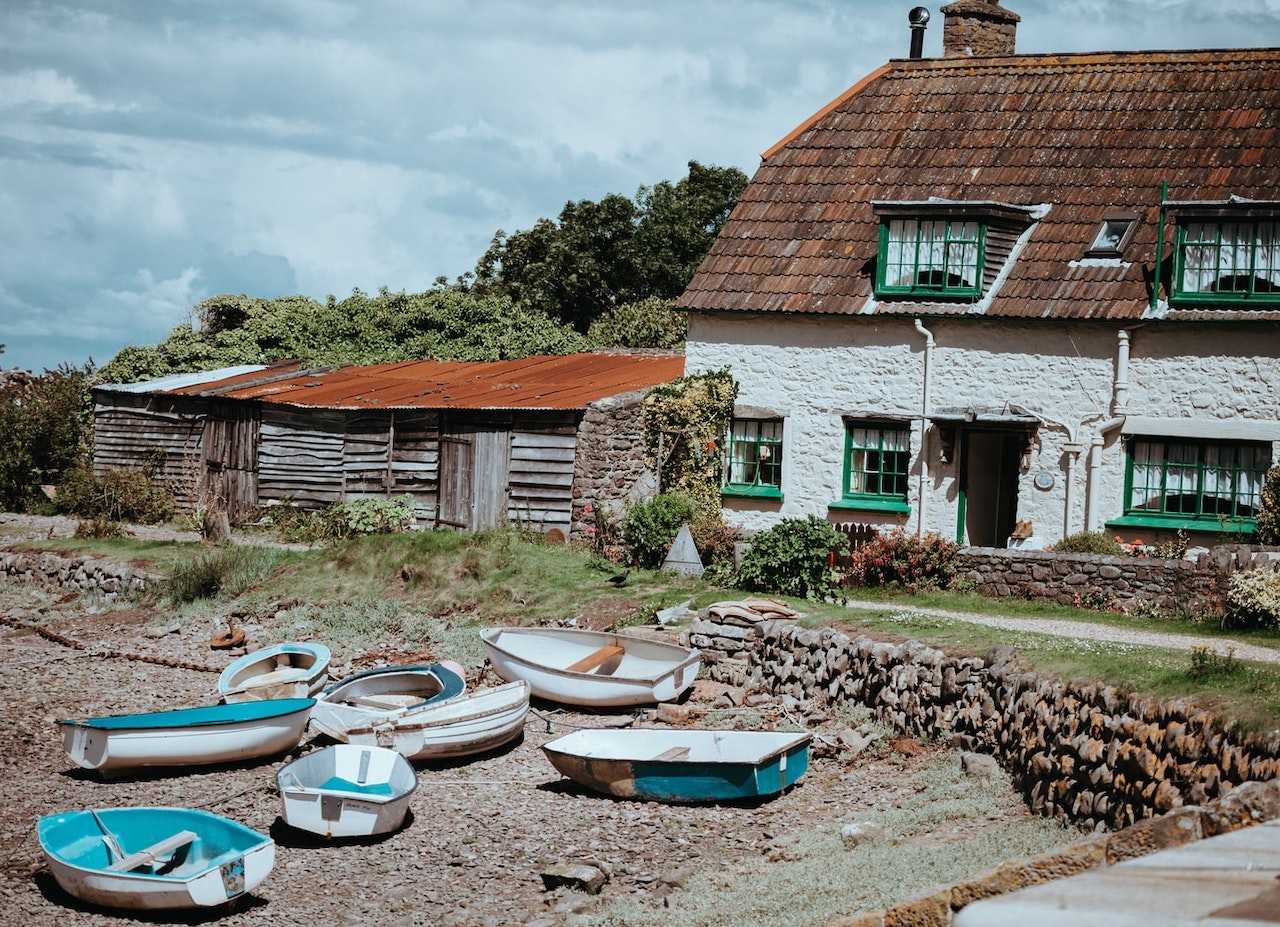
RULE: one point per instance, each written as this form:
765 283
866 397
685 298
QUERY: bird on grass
620 579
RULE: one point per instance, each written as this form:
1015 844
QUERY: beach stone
860 832
577 876
979 765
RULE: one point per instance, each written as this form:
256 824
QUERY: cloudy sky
154 153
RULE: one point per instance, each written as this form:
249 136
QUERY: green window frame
877 460
754 458
1227 261
934 258
1194 484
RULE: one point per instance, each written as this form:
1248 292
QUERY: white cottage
942 298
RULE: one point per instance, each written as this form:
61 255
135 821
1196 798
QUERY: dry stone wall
1088 753
87 573
609 466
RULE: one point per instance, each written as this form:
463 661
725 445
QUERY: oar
113 845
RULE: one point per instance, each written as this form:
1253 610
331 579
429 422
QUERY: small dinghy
591 668
148 858
346 791
187 736
474 723
280 671
382 694
681 766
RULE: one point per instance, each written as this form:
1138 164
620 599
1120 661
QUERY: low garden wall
76 572
1083 753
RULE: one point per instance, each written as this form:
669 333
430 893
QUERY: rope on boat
65 641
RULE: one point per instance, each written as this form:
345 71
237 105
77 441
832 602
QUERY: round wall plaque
1044 480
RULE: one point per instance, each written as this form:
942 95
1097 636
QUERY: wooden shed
475 444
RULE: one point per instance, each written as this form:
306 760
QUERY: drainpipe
1119 403
1120 392
924 428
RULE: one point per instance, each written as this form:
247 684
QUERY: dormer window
1113 235
938 249
1226 251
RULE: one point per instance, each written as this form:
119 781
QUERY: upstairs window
1227 261
1207 484
931 258
1112 237
755 458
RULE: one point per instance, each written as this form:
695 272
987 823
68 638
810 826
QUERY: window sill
1225 300
930 296
1187 523
870 504
752 492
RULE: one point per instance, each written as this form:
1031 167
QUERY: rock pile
87 573
726 633
1082 753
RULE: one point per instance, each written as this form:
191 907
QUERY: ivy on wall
685 423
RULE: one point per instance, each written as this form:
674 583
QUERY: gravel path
1084 630
19 527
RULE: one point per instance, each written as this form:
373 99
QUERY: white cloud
42 87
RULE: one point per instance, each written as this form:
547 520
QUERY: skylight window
1112 236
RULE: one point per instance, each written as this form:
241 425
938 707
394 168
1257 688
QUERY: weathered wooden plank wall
230 476
415 459
540 476
136 431
300 456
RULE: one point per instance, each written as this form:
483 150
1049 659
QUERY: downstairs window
754 458
1203 485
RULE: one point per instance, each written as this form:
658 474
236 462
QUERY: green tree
647 323
45 422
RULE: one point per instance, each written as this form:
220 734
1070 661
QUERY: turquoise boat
153 858
682 766
187 736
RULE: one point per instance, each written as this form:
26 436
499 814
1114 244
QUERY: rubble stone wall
609 466
1087 754
87 573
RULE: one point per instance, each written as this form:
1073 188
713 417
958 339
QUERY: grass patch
143 553
225 571
938 834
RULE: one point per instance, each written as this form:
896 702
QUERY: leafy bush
648 323
342 520
118 495
100 527
1091 542
648 528
792 558
1253 600
1269 509
1207 664
45 424
898 558
227 571
714 536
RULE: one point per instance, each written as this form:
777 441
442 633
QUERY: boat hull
335 812
112 751
249 678
595 690
226 877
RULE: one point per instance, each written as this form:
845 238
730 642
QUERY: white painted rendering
816 369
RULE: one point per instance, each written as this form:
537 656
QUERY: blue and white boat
150 858
382 694
681 765
186 736
288 670
346 791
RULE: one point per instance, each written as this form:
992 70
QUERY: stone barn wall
610 467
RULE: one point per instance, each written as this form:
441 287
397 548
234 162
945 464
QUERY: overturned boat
591 668
153 858
288 670
346 791
681 766
186 736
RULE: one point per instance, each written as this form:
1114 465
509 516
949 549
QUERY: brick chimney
978 28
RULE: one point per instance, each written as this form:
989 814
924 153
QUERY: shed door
493 461
230 445
453 506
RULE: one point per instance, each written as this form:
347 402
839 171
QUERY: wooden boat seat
674 753
596 658
275 677
165 847
389 701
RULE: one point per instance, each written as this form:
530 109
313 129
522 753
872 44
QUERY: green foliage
1207 663
118 495
226 571
648 323
714 536
342 520
100 527
1269 510
898 558
361 329
601 254
1091 542
793 558
685 423
1253 600
649 527
44 427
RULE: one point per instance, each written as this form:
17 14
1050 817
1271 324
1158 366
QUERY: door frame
1009 433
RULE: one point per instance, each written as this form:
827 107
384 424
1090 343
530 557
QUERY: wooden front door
489 489
456 462
230 452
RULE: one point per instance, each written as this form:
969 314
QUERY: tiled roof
545 382
1084 134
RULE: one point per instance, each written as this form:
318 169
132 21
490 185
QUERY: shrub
1091 542
898 558
1253 600
1207 664
226 571
792 558
714 536
100 527
342 520
45 424
648 323
649 527
118 495
1269 509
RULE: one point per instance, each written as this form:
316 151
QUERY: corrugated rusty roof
1087 134
545 382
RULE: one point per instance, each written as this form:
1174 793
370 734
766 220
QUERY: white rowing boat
288 670
591 668
381 694
346 791
187 736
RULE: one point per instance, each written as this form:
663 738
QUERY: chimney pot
919 21
978 28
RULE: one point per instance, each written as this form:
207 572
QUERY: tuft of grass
226 572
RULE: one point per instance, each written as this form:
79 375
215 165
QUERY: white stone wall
814 370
